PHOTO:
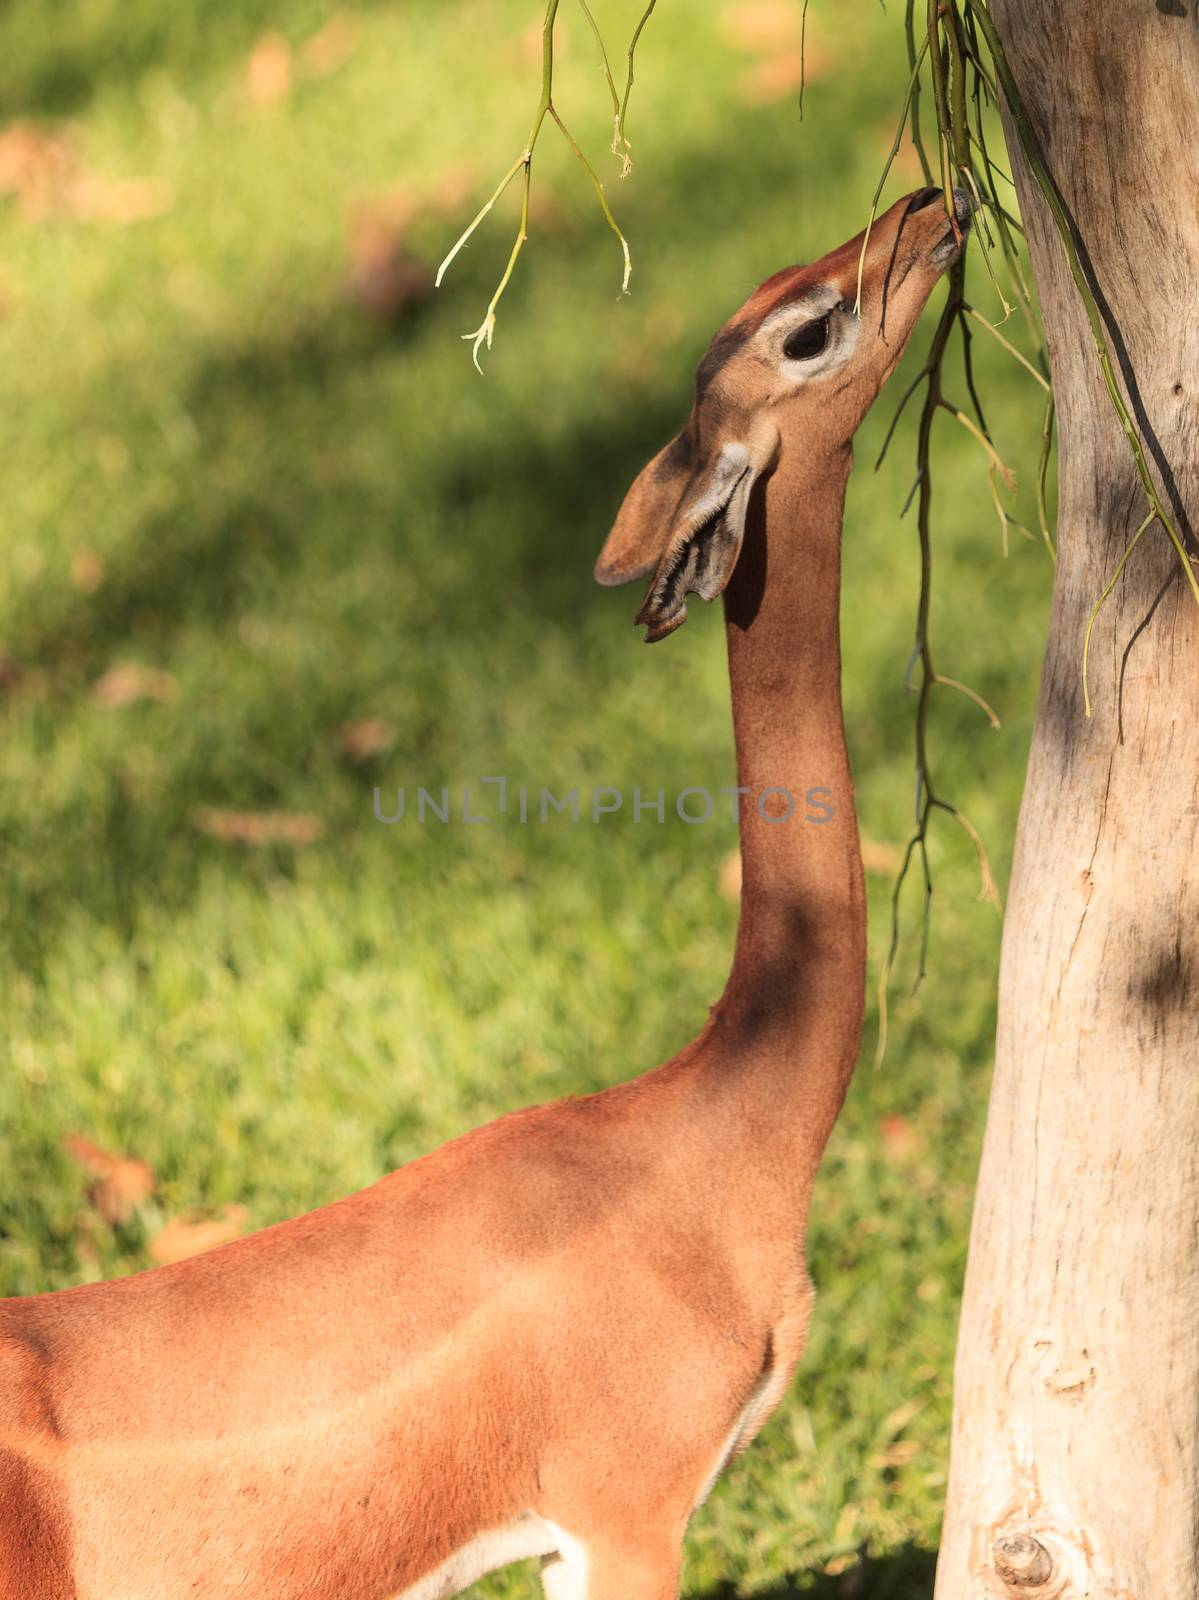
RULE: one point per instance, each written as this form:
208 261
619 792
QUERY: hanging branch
956 35
1036 164
927 798
608 78
523 164
945 47
620 142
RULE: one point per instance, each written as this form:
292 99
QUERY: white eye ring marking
788 338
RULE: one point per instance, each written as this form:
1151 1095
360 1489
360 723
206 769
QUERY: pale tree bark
1075 1455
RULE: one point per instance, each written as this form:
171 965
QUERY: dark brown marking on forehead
776 291
726 343
838 269
742 326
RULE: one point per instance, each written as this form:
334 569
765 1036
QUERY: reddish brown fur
563 1312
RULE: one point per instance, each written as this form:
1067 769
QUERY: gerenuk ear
643 524
685 518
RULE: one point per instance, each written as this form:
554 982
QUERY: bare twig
1099 604
972 311
950 47
1000 466
603 199
622 140
892 153
971 694
1042 475
619 145
803 55
483 334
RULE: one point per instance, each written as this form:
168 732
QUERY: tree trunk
1075 1459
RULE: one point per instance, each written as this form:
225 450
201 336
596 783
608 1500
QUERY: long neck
787 1029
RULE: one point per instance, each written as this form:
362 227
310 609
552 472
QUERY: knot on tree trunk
1022 1561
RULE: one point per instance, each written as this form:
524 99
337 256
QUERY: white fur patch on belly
517 1541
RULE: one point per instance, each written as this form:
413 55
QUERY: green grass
309 515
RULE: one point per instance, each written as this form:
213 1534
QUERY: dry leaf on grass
178 1240
878 857
383 217
122 1182
123 200
777 76
360 740
331 46
448 190
762 25
128 682
900 1139
729 882
382 274
36 165
87 571
258 827
41 171
844 1567
527 47
773 30
546 212
268 71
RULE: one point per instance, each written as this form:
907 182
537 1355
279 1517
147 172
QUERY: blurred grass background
270 541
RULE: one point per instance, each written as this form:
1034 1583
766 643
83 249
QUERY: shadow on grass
242 510
905 1573
302 506
267 512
